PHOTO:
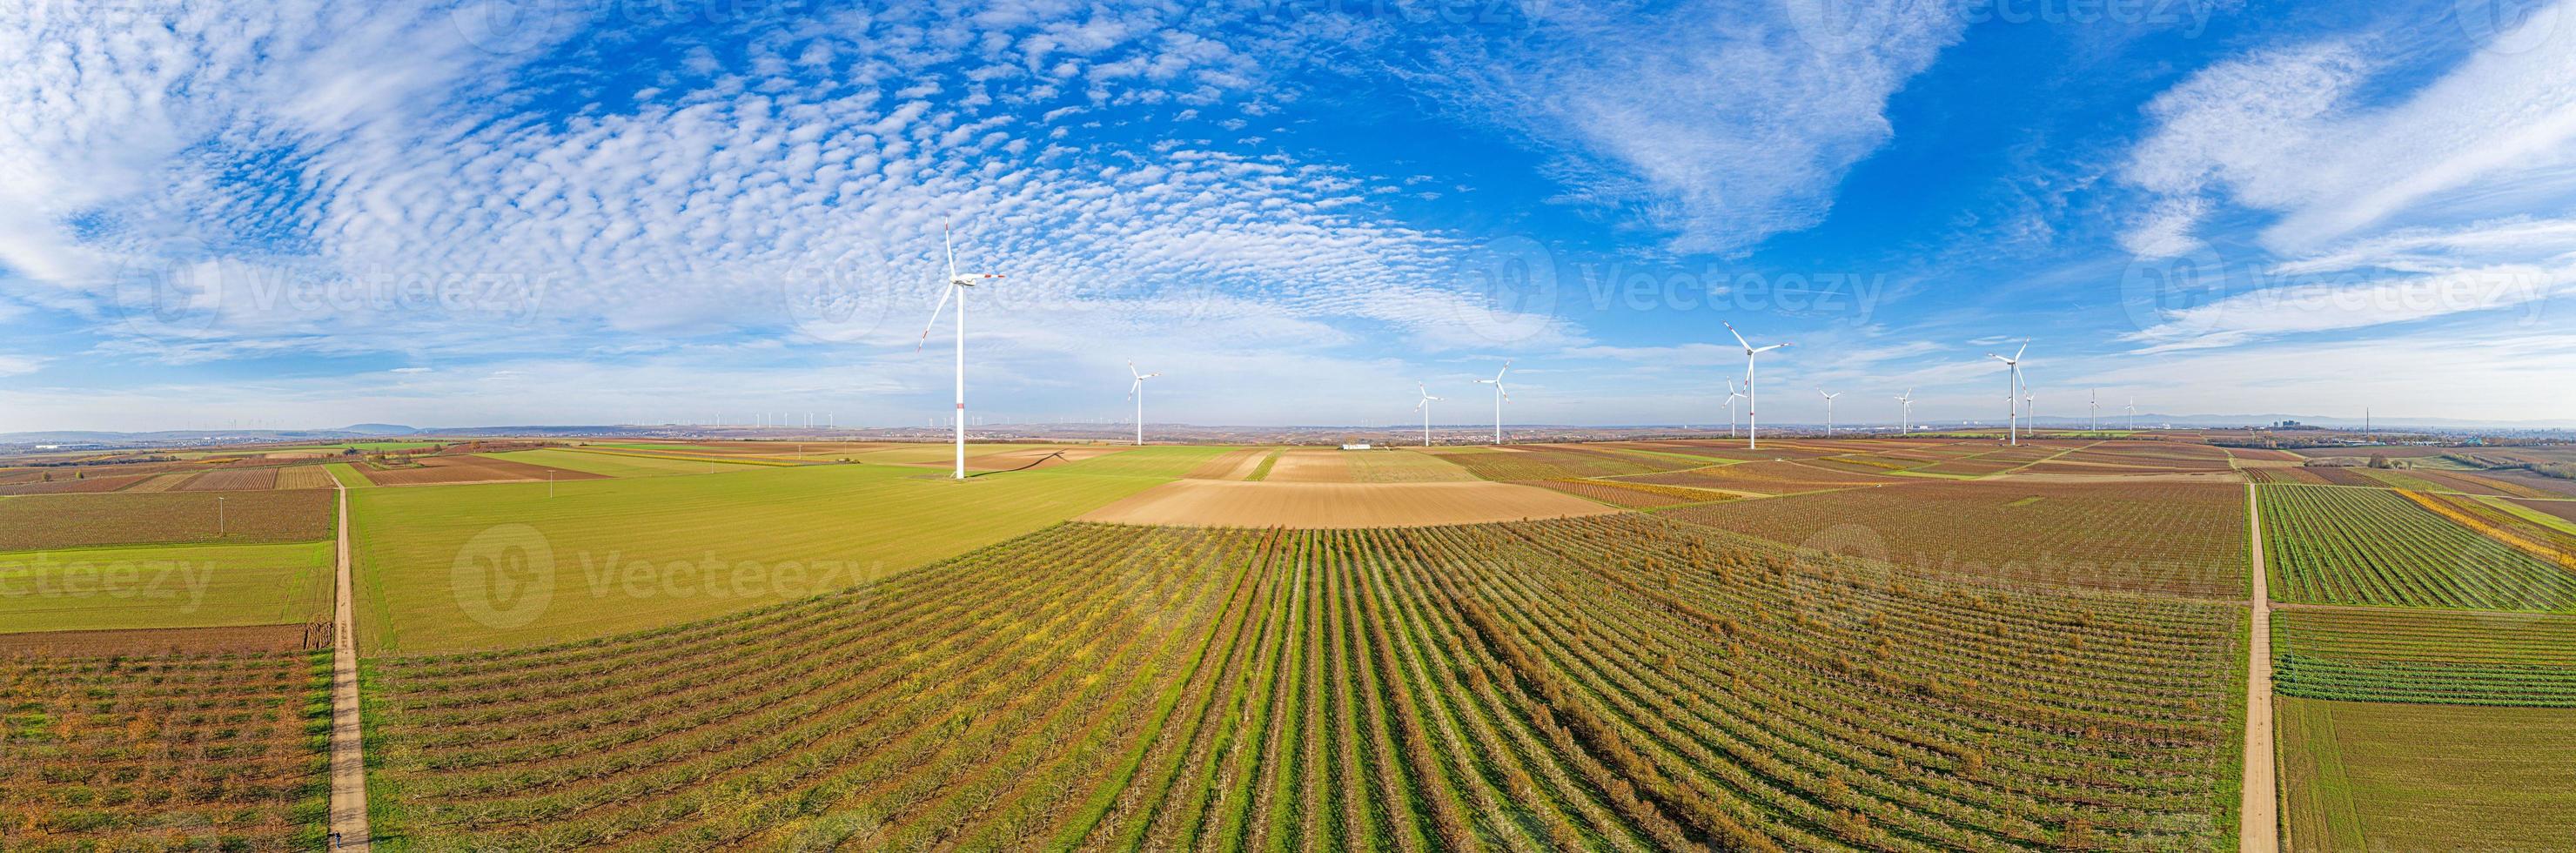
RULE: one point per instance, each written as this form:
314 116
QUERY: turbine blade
945 291
1739 337
951 244
2025 347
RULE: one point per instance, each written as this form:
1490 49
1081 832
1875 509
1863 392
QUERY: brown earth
452 470
231 480
1231 465
1216 503
1311 466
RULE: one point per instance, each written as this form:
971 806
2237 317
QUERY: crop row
1566 462
2183 539
37 522
172 752
1611 682
2426 656
2336 545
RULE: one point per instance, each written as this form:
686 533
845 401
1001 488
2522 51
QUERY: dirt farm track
1215 503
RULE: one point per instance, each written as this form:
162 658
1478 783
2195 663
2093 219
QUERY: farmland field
628 554
2392 776
231 479
1772 478
2335 545
2183 539
1557 462
176 752
164 586
39 522
2426 656
451 470
608 465
1606 682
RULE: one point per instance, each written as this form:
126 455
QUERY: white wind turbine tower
1829 411
1136 392
2012 391
2093 406
1905 406
957 285
2133 413
1500 396
1752 413
1732 395
1424 406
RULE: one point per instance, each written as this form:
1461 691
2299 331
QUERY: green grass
621 466
1262 471
2392 655
634 554
192 586
347 475
2384 776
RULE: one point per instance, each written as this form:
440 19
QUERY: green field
2345 545
2393 655
1406 467
622 466
192 586
630 554
2387 776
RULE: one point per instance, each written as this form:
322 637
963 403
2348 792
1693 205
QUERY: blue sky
503 212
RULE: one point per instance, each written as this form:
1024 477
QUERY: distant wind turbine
957 285
2133 413
1829 411
1752 415
1905 406
1424 406
1136 392
1732 395
2093 406
2012 391
1500 396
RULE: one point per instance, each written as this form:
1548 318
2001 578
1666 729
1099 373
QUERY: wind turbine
957 285
2012 391
1500 396
1829 412
2093 405
1732 395
1752 415
1136 392
1906 406
1424 406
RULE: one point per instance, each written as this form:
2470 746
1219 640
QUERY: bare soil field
2046 472
231 480
2534 482
1215 503
160 482
1766 478
1048 457
1312 466
449 470
1233 465
65 484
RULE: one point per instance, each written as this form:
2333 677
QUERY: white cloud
2290 132
1725 122
20 365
